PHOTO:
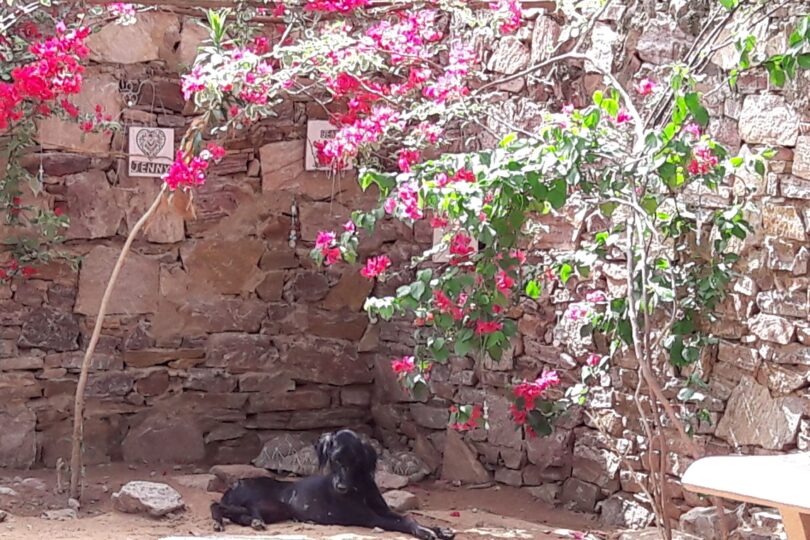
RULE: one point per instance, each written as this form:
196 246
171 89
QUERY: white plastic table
781 482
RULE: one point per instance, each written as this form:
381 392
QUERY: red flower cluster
54 72
461 175
351 137
472 421
406 159
404 365
487 327
529 391
445 305
460 245
375 266
703 162
14 269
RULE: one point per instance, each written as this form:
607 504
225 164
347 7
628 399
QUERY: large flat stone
223 266
152 36
283 170
241 353
163 437
49 328
752 417
97 89
18 445
135 292
801 158
323 361
460 462
768 119
197 317
92 206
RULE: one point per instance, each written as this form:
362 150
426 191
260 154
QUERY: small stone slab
150 498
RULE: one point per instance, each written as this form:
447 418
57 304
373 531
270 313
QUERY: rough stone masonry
222 334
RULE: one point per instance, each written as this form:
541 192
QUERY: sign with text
151 151
318 130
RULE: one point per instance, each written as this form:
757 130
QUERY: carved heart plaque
150 142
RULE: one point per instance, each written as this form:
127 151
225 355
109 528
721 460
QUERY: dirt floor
497 512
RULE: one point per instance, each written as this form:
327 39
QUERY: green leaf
759 167
777 76
558 193
463 348
565 273
804 60
539 423
424 275
597 97
729 4
737 161
507 140
533 290
649 204
698 111
592 120
417 289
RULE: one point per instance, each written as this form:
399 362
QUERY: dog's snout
341 487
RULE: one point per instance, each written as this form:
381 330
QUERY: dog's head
349 459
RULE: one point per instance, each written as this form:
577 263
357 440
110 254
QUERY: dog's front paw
444 534
258 525
423 533
219 527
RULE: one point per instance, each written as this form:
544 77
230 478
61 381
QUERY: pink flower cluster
403 366
408 199
703 161
348 140
510 12
407 39
375 266
451 84
54 72
340 6
121 9
187 172
325 242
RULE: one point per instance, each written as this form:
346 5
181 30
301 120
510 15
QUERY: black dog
347 496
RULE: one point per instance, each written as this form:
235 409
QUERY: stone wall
223 337
220 333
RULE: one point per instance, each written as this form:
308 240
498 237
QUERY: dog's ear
323 447
369 458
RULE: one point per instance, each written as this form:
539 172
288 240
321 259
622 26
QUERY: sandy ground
475 513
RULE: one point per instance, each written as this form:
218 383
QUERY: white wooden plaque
151 151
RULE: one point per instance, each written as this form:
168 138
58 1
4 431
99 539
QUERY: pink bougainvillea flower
472 421
576 312
390 205
460 245
349 226
503 282
596 297
375 266
28 271
464 175
703 161
406 159
341 6
216 151
438 222
404 365
623 117
568 108
593 360
646 86
692 129
487 327
331 255
511 13
324 239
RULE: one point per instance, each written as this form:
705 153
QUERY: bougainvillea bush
400 81
42 52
